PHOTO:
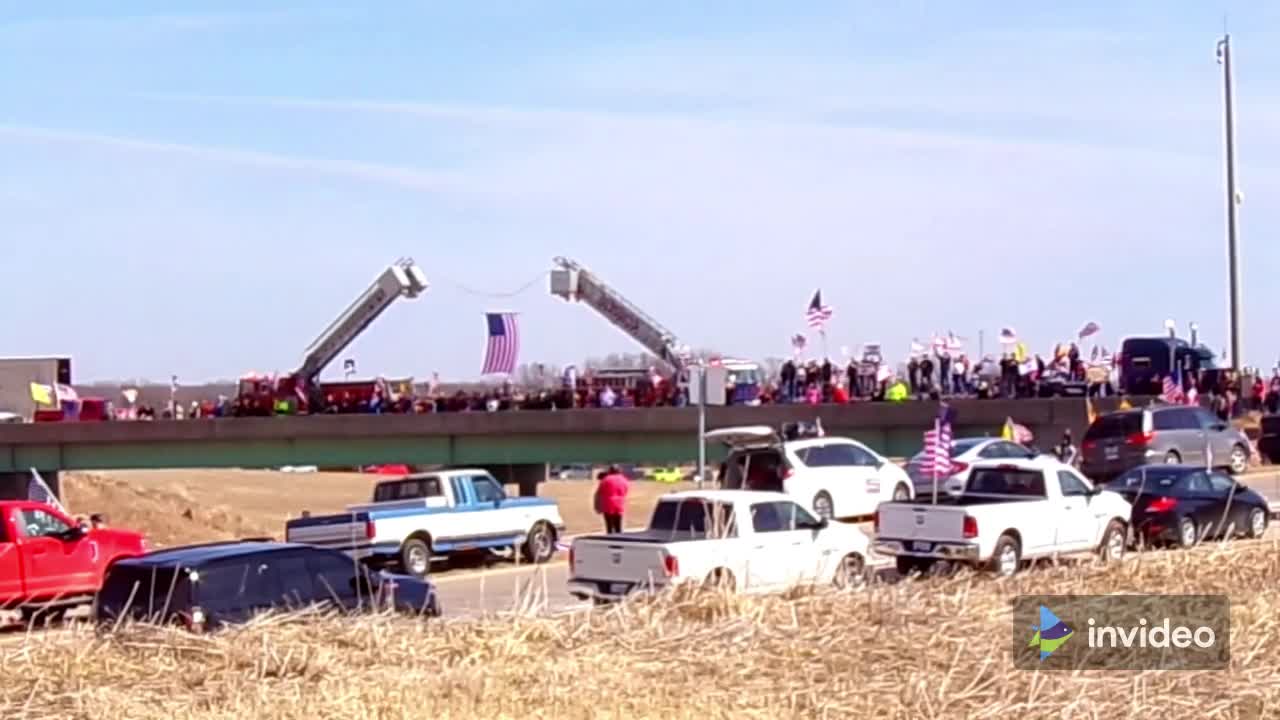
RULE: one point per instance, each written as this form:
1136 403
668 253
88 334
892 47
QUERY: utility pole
1233 199
702 424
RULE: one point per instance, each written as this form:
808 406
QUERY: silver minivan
1182 434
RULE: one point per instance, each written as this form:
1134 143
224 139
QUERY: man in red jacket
611 498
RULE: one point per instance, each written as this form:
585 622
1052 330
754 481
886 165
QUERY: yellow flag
42 394
1006 433
1124 404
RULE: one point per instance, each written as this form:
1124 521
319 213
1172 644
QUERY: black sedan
1182 504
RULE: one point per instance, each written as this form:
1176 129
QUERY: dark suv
207 586
1176 434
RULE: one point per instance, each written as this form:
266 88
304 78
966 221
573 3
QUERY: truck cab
49 560
417 518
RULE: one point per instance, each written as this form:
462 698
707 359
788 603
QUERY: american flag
818 314
1171 390
504 344
38 491
937 446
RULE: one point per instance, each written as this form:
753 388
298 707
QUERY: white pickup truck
744 540
419 517
1010 511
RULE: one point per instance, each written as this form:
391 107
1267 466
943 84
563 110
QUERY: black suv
208 586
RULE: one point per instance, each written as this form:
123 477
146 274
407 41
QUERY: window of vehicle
836 455
295 578
41 523
141 592
1206 419
1115 425
487 489
1151 479
409 489
1195 482
960 447
753 470
999 483
1220 484
1072 486
1175 419
238 585
332 576
694 516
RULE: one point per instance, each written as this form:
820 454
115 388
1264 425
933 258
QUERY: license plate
921 546
618 588
1112 453
616 557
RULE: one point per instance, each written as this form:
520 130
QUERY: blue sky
198 188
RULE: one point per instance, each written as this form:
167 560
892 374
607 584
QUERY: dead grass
176 507
912 651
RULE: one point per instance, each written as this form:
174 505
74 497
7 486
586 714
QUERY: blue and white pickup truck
430 515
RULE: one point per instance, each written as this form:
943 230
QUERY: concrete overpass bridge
516 444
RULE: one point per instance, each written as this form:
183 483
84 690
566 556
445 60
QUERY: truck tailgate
341 531
921 521
620 561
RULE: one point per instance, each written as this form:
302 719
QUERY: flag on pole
42 394
503 347
1171 388
1089 329
1008 336
1013 432
38 491
938 444
817 314
798 342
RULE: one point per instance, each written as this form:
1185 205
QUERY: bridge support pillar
526 477
13 485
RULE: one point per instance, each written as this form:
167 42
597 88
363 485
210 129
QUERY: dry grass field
910 651
175 507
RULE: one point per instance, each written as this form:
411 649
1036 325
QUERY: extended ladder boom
403 279
572 281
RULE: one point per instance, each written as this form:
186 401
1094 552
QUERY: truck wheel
851 573
822 505
1007 557
540 544
1187 532
415 557
1257 523
1114 538
719 580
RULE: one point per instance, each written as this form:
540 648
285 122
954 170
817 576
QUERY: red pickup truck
50 562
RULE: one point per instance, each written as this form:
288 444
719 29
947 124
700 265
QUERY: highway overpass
515 439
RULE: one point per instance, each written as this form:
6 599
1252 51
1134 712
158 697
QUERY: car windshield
1115 425
1149 479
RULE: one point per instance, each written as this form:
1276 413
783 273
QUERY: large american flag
818 314
503 348
937 446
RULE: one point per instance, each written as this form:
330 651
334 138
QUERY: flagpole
1233 198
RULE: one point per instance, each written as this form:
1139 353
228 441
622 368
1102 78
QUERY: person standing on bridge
611 498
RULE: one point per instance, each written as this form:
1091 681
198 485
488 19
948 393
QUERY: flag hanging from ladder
503 347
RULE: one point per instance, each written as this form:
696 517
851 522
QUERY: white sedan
964 453
833 477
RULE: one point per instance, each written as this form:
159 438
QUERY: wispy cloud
414 179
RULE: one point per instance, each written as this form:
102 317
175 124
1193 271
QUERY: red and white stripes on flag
503 347
937 450
817 314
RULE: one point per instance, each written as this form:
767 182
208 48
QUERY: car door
483 516
59 558
1076 526
848 473
10 561
768 560
1228 510
1179 430
1219 437
811 554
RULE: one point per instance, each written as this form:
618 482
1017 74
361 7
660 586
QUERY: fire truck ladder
402 279
572 281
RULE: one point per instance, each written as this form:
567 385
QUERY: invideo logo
1051 633
1144 635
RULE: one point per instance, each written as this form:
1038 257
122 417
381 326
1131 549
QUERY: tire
415 557
901 493
1114 542
1188 533
1257 523
1239 460
1006 559
540 545
719 580
1172 458
822 506
851 573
